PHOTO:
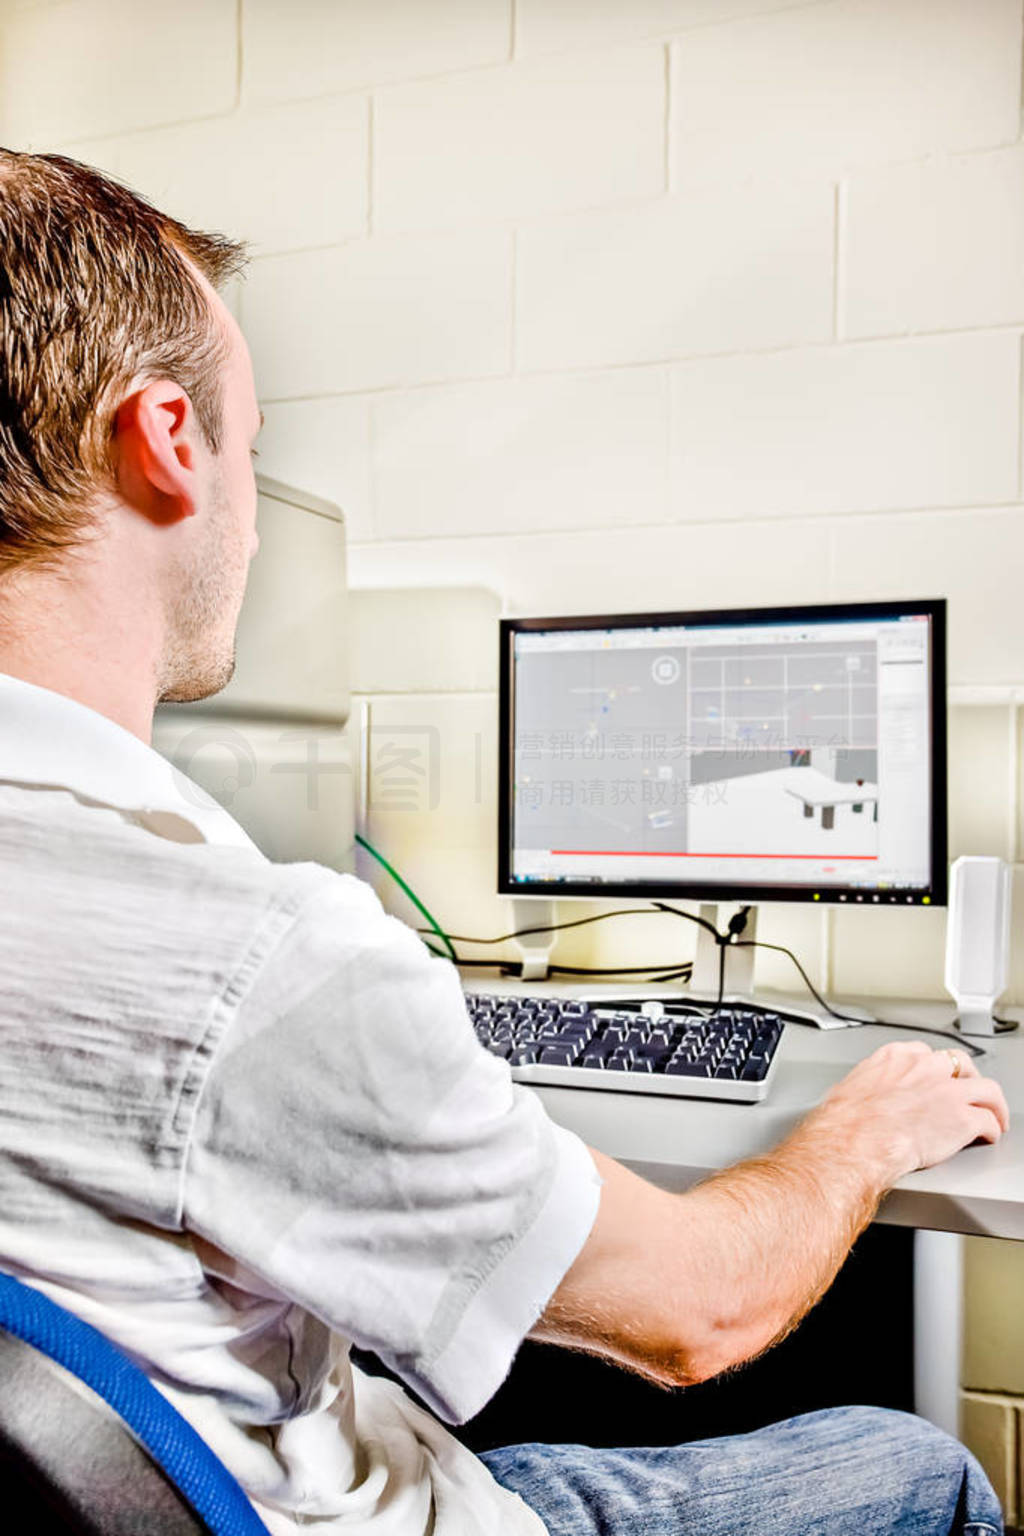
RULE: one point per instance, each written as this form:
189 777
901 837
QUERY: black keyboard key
558 1056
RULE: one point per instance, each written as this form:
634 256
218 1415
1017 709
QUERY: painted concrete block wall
609 304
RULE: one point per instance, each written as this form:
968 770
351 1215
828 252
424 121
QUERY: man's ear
154 452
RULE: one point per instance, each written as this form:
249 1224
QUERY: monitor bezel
935 894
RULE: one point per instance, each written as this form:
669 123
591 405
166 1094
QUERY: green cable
446 941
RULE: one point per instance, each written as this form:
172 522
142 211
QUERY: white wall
608 304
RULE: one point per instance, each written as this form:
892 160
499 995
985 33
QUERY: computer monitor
762 754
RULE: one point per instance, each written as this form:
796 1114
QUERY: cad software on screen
785 754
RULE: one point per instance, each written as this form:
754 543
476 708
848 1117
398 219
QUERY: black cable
731 940
808 983
848 1018
656 972
737 923
728 940
576 922
686 974
488 964
691 917
672 969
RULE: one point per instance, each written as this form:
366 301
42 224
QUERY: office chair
89 1446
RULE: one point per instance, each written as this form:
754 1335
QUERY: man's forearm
769 1236
728 1267
681 1287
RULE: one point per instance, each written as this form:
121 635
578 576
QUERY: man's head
127 408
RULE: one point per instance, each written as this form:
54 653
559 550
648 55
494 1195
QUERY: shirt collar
50 741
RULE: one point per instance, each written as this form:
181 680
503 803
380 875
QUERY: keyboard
728 1053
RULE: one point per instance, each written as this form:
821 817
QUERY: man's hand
680 1287
908 1106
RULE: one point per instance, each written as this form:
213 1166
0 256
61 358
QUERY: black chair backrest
68 1462
101 1451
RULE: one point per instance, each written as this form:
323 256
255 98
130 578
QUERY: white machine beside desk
272 746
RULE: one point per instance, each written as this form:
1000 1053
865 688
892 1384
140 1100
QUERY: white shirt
244 1121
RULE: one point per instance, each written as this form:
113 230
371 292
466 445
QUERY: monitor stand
534 948
739 959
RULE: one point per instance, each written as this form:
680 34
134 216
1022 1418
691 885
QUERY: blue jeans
841 1472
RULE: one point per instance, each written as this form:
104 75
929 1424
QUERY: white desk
675 1142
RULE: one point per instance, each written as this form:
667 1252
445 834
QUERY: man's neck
63 636
85 690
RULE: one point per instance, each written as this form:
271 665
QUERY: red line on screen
667 853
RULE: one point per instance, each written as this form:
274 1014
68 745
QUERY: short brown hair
95 290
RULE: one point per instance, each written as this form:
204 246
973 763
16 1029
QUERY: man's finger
985 1125
987 1094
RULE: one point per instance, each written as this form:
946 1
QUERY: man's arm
681 1287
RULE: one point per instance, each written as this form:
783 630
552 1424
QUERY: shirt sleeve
355 1146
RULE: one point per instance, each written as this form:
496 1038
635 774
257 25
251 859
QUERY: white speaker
978 940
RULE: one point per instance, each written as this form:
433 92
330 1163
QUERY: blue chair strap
171 1441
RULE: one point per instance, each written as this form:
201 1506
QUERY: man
243 1117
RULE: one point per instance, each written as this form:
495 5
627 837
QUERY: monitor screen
793 754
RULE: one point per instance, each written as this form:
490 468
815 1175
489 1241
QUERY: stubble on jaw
201 613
